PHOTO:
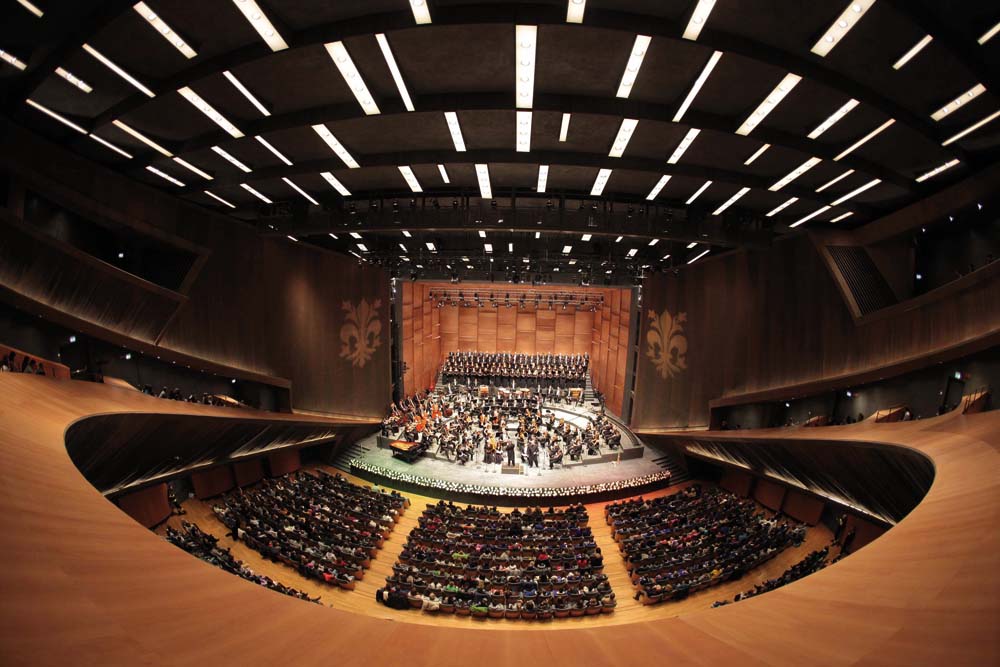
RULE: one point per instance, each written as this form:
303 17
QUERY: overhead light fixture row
698 83
193 169
989 34
841 26
410 178
865 139
971 128
760 151
843 216
574 11
455 129
160 26
255 193
259 21
913 51
834 118
625 132
633 65
201 105
697 193
937 170
699 255
683 145
397 76
809 217
141 137
774 98
339 187
300 191
655 192
334 144
232 160
698 19
219 199
352 77
564 127
444 174
602 180
526 42
523 131
421 14
855 192
835 180
74 80
31 7
12 60
246 93
165 176
781 207
795 173
101 58
278 154
964 98
543 178
483 176
729 202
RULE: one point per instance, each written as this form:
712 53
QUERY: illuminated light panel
335 145
698 19
567 249
683 146
914 50
219 199
110 145
403 248
809 217
867 186
835 180
624 135
482 234
263 142
665 257
407 234
165 176
444 173
246 93
483 176
255 193
510 247
971 128
865 139
12 60
141 137
397 76
339 187
334 236
842 217
421 14
634 64
699 255
655 192
355 235
698 83
543 178
190 167
201 105
410 179
964 98
451 118
602 179
937 170
760 151
781 207
834 117
352 77
59 117
653 242
619 239
253 13
538 235
564 128
632 252
784 87
574 11
692 245
523 131
795 173
431 247
698 193
362 247
75 80
586 237
31 7
239 165
989 34
841 26
160 26
488 247
118 70
729 202
300 190
526 41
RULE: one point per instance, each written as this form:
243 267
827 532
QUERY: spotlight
72 339
128 355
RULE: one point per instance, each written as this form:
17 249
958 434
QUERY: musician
510 449
555 455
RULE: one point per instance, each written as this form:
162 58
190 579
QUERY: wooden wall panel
283 461
736 481
249 471
148 506
801 507
769 494
212 482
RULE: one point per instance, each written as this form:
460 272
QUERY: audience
814 562
177 395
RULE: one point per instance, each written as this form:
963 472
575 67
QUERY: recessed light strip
564 128
757 154
523 131
834 117
810 216
219 199
108 144
526 40
255 193
843 216
698 19
914 50
964 98
410 179
543 177
335 145
483 176
635 58
698 256
160 26
781 207
870 184
795 173
165 176
989 34
141 137
574 11
300 190
352 77
264 142
602 179
971 128
118 70
841 26
190 167
75 80
655 192
255 15
624 135
12 60
937 170
683 145
444 174
31 7
421 14
865 139
231 159
397 76
835 180
455 129
698 83
52 114
201 105
336 184
246 93
698 193
784 87
729 202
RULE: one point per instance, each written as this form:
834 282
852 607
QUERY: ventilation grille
870 290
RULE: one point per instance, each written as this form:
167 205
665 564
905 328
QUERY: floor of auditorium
362 599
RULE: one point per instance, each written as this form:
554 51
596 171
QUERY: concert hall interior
435 332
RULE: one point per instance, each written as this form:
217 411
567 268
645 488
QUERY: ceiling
466 61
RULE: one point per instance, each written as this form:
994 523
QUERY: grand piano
408 451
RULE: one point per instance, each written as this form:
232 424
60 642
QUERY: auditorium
551 332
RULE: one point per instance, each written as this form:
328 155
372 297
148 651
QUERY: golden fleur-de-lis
666 344
361 333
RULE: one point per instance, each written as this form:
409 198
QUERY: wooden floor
362 599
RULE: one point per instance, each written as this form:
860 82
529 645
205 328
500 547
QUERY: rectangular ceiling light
456 130
335 146
33 8
231 159
355 235
75 80
841 26
397 76
653 242
444 173
526 39
729 202
567 249
692 245
431 246
407 234
865 139
201 105
699 255
59 117
683 146
118 70
523 131
362 247
757 154
698 193
809 217
255 193
538 235
784 87
255 15
334 236
141 137
781 207
602 179
574 11
410 179
108 144
421 13
634 63
190 167
989 34
586 237
483 176
632 252
834 117
699 82
219 199
967 96
835 180
619 239
971 128
664 258
482 234
698 18
937 170
564 128
300 191
842 217
338 186
488 247
914 50
510 247
870 184
543 177
624 135
165 176
403 248
795 173
352 77
160 26
655 192
263 142
246 93
13 61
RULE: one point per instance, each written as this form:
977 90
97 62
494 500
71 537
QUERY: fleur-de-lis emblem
361 334
666 344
